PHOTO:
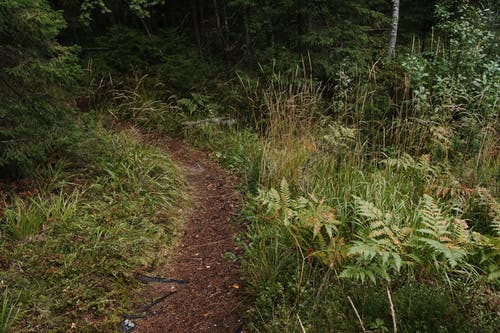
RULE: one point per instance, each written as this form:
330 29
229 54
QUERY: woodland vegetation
371 171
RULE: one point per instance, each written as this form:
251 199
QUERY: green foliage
326 32
288 274
461 309
36 77
455 83
423 244
24 219
141 8
430 241
88 6
300 212
140 106
166 56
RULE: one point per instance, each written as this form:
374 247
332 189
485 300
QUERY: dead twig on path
148 279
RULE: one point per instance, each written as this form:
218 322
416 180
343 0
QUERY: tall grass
9 313
289 112
27 218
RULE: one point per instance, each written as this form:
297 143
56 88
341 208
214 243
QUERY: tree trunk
248 50
196 25
394 29
300 8
226 24
220 32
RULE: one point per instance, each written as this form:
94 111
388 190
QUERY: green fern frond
433 218
368 209
461 230
358 273
453 254
284 193
363 249
430 211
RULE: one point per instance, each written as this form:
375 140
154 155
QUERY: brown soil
210 300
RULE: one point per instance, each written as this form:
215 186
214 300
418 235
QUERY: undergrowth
71 243
366 210
344 219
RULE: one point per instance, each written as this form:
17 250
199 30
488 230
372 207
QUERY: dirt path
210 300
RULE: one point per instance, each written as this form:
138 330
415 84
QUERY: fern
364 273
381 244
284 195
279 204
436 237
368 209
434 241
311 222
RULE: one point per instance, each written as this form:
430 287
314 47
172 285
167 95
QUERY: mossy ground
70 244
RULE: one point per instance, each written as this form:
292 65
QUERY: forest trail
208 297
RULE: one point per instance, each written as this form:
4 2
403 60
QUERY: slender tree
394 29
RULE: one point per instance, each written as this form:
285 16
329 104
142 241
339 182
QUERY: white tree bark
394 29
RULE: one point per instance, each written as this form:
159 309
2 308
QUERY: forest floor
205 295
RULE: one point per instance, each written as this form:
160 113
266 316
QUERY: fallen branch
148 279
393 312
217 120
158 300
357 314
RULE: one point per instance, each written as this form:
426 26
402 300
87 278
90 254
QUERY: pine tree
36 74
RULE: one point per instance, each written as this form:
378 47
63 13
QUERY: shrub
166 56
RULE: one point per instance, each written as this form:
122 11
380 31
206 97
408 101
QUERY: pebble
128 325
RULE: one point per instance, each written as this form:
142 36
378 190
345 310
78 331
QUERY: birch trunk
394 29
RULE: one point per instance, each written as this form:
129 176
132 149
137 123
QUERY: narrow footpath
205 295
